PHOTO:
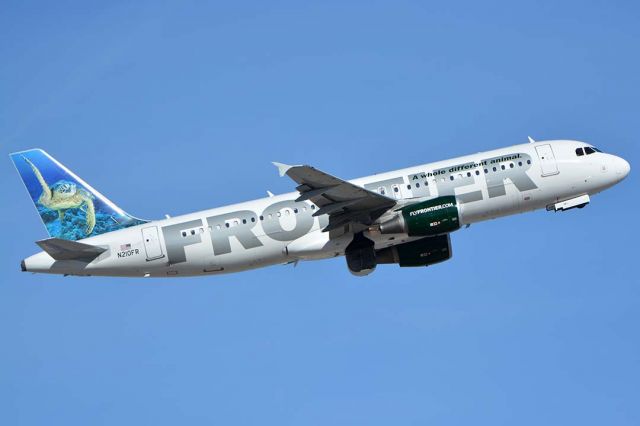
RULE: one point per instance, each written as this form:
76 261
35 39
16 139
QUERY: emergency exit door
151 242
547 160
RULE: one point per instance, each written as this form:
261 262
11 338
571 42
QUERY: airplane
403 217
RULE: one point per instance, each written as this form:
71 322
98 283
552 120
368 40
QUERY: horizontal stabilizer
60 249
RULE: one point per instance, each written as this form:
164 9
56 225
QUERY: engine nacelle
426 218
361 255
424 252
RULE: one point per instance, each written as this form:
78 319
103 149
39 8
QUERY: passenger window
486 171
395 189
244 221
468 174
193 232
511 165
417 184
502 167
495 169
588 150
261 217
451 177
184 233
295 211
477 172
520 163
528 161
408 186
253 219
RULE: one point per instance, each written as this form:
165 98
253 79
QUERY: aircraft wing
344 202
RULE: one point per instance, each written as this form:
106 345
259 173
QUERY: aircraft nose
622 167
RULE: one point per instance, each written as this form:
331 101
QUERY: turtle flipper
91 216
46 190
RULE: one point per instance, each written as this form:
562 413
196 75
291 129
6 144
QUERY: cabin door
151 242
547 160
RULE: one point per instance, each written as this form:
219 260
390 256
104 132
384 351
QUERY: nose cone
621 167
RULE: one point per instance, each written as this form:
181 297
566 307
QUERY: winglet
282 168
531 139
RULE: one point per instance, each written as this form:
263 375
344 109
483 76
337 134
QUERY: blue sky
171 107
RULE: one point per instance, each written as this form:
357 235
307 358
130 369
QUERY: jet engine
424 252
361 255
426 218
362 258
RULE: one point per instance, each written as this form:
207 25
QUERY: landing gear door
151 242
547 160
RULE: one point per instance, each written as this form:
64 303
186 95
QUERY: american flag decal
125 247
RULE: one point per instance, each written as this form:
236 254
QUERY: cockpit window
587 150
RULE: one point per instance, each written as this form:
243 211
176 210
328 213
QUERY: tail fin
69 207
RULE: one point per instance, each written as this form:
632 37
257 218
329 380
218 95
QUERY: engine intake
427 218
361 255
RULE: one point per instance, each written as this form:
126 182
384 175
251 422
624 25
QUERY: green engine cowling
426 218
424 252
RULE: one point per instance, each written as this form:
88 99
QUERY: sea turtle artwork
64 195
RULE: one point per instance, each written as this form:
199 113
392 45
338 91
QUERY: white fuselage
278 229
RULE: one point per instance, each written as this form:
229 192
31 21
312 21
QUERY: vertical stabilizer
68 206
